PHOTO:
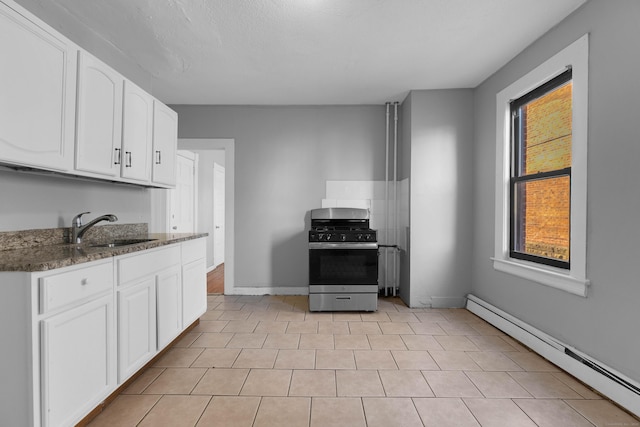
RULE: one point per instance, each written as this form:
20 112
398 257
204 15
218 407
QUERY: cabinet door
78 361
136 327
194 291
37 87
165 140
99 117
169 305
137 133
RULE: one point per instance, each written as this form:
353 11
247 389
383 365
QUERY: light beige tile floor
267 361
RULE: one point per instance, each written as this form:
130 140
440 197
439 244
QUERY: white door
218 214
183 199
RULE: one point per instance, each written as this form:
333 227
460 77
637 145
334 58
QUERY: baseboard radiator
622 390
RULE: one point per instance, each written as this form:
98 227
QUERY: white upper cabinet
37 93
137 133
99 117
165 140
64 110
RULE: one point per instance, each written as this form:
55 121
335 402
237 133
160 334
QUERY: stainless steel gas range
343 261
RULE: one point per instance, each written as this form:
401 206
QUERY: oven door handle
354 245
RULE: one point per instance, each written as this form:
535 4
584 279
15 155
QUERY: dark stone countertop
49 257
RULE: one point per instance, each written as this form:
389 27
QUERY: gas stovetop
341 225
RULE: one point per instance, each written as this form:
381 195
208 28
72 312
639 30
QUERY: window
541 165
540 184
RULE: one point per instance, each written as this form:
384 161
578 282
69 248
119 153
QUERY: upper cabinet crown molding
59 100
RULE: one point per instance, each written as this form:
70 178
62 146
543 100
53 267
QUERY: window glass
541 175
547 131
543 218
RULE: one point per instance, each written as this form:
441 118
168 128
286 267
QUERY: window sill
554 278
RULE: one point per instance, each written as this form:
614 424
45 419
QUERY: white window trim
574 280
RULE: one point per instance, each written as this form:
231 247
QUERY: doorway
209 151
218 214
215 278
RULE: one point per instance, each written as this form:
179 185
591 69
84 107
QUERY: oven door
343 264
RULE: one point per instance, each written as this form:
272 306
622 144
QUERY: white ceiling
318 52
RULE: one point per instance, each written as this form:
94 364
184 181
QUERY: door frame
228 145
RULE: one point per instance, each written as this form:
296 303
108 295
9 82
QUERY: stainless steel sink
121 242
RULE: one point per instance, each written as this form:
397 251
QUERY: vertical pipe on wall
386 199
395 197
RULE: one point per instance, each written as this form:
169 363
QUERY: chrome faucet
78 230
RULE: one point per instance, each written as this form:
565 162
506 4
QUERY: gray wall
440 141
283 158
47 201
404 174
604 325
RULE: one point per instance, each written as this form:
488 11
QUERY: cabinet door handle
128 154
158 157
118 159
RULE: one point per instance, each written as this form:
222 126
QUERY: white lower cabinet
169 303
78 368
149 286
194 280
71 336
136 327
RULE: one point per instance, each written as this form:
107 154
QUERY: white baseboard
617 387
270 290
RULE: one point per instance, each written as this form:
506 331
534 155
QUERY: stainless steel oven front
343 276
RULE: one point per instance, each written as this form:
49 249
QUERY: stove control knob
343 237
320 237
328 237
359 237
367 236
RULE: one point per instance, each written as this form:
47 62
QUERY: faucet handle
77 220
